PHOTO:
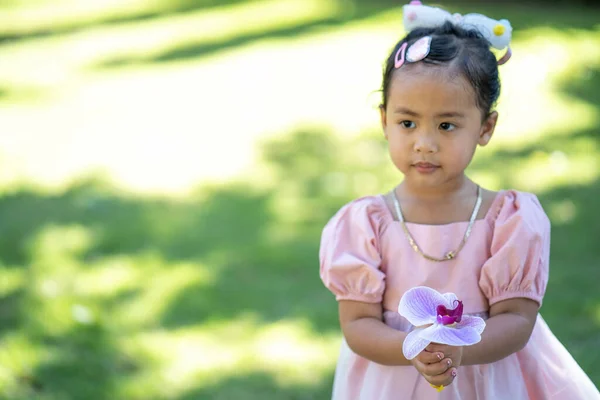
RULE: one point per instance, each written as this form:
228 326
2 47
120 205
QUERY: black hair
463 49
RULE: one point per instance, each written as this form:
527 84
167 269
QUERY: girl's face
433 125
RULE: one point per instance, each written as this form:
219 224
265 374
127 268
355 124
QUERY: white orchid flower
438 318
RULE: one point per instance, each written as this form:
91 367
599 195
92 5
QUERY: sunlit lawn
167 168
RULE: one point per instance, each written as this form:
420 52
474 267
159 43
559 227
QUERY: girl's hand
435 368
454 353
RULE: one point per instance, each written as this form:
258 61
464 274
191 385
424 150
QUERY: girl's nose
425 143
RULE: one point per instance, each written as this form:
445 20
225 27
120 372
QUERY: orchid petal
419 305
470 321
463 336
451 299
414 343
457 313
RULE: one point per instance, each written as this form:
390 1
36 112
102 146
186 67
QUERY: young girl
440 229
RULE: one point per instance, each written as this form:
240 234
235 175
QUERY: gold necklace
451 254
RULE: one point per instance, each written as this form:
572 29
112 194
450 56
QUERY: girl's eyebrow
453 114
450 114
403 110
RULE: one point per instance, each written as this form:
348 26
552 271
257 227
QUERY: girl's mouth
425 167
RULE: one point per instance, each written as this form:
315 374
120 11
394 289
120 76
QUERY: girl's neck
456 188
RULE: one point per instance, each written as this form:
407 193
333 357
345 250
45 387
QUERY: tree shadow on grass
354 10
87 365
526 12
574 267
11 312
261 265
276 272
522 17
569 145
258 386
230 218
162 10
81 364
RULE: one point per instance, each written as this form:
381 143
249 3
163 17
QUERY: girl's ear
487 128
383 120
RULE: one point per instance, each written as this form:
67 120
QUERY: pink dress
365 256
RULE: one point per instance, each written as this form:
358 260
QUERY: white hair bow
498 33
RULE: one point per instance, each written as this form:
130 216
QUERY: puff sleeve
520 251
350 257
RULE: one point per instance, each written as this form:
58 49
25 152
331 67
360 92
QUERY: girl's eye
447 126
407 124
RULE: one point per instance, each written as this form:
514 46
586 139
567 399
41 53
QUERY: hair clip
505 57
419 49
399 59
416 52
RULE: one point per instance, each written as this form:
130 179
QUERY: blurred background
166 168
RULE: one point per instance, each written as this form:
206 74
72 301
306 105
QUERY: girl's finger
438 368
427 357
445 379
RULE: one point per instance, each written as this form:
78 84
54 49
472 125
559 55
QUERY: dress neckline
491 210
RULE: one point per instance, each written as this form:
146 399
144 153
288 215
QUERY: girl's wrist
466 356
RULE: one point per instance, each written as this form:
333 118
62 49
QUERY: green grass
108 292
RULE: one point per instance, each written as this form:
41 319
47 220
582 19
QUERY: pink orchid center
450 316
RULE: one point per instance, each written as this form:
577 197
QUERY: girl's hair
467 51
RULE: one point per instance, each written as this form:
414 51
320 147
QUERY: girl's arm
507 331
368 336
